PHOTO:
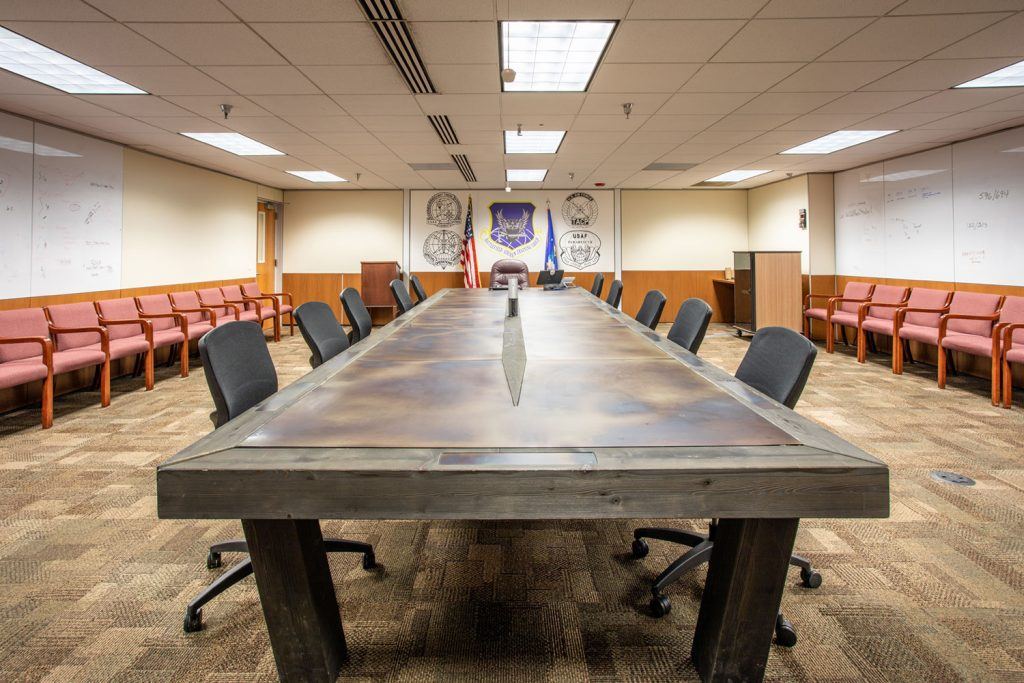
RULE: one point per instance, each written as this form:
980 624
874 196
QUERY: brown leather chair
504 270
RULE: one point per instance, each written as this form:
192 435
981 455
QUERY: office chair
650 310
324 335
691 324
614 294
507 269
240 374
358 316
777 364
417 289
598 285
401 295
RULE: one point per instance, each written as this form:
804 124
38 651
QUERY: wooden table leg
299 605
746 577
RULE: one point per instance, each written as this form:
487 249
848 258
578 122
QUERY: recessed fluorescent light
533 141
236 143
735 176
841 139
1007 77
552 55
30 59
319 176
525 175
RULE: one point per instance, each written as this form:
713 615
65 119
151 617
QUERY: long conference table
421 421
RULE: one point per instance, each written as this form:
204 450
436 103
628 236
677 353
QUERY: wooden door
266 240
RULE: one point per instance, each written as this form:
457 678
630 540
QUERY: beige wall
821 222
773 218
332 231
682 229
184 224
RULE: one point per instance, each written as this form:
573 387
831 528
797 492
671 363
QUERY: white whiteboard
860 223
989 208
919 216
15 206
76 226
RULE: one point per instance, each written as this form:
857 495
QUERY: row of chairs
39 343
986 325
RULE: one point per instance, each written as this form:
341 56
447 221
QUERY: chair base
194 611
701 546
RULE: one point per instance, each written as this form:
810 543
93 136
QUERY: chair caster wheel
369 561
640 548
212 560
660 606
811 578
785 634
193 621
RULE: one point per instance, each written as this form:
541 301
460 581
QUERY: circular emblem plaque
442 248
444 210
579 210
579 248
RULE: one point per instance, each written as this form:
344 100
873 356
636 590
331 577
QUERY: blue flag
550 254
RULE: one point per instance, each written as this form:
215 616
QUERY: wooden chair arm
102 331
247 300
808 297
45 343
286 295
208 311
1007 330
944 320
831 306
147 327
901 313
178 318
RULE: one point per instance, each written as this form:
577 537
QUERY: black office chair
777 364
240 374
417 289
650 310
615 294
358 316
401 295
691 324
324 335
598 285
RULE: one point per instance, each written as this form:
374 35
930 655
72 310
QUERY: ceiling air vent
443 126
664 166
464 167
393 31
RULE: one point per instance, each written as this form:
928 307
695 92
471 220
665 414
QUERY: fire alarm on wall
598 184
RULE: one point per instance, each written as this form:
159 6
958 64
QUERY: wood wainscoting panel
324 287
677 286
434 282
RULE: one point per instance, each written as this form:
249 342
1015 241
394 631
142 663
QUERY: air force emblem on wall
444 210
579 248
579 210
442 248
511 230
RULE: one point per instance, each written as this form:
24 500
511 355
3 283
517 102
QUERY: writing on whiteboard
993 195
973 256
857 209
975 226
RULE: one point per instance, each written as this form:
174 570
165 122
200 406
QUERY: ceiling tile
324 43
476 123
137 105
957 6
640 78
56 104
705 103
836 76
456 42
211 44
608 123
206 105
356 80
999 40
606 104
826 8
32 10
449 10
295 10
402 124
263 80
694 9
870 102
97 44
786 103
564 9
259 124
303 105
745 77
969 120
669 41
1011 103
896 121
822 122
161 10
953 101
11 84
938 74
465 78
782 40
539 104
378 104
169 80
680 122
470 105
748 122
909 37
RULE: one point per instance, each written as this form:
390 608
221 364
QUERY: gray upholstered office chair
324 335
615 294
417 289
507 268
401 294
691 324
777 364
650 310
598 285
240 373
358 316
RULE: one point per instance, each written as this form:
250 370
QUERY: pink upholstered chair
252 309
167 325
115 312
838 310
212 298
877 316
969 327
282 302
78 326
1011 342
918 321
200 318
26 354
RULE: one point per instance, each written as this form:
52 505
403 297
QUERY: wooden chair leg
897 356
47 410
842 331
105 383
277 327
150 361
830 341
861 344
184 358
943 360
995 379
1007 384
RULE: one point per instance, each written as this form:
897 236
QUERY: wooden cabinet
768 289
375 280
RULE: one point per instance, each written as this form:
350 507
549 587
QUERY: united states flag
470 272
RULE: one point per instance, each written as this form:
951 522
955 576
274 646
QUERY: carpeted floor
93 585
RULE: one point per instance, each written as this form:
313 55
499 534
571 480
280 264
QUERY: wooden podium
375 278
768 290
